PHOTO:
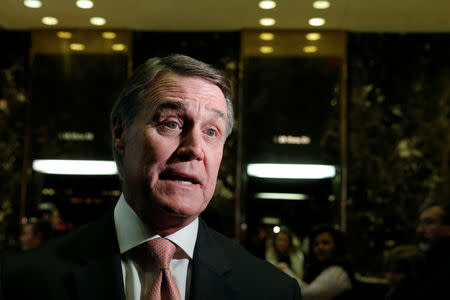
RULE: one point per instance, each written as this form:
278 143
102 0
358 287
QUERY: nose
191 145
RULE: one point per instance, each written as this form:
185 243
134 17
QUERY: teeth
184 182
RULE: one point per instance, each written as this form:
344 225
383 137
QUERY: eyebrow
180 106
219 113
170 105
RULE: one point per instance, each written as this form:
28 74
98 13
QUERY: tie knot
163 250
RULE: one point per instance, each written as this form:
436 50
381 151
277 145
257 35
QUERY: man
434 233
34 233
169 126
434 224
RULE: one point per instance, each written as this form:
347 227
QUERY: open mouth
179 178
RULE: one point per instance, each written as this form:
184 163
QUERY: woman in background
327 273
284 253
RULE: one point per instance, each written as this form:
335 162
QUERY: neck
159 220
166 224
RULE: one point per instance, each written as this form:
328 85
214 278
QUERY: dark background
398 116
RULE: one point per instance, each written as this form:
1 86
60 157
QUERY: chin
179 209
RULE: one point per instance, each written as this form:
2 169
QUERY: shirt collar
131 231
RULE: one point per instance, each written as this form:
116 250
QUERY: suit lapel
100 279
210 269
100 274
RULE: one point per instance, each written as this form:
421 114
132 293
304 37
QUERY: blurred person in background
34 233
48 211
433 230
404 266
328 273
284 252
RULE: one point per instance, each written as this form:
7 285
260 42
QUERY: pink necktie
164 286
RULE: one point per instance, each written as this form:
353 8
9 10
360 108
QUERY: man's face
430 227
173 149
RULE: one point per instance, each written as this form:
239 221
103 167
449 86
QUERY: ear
118 135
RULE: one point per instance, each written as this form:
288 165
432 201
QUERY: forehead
192 90
324 236
282 236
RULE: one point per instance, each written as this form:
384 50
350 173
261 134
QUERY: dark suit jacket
85 264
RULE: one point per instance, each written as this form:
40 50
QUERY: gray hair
133 95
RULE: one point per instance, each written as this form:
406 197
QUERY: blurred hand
285 268
282 266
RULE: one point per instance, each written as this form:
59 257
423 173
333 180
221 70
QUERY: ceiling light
75 167
321 4
76 136
267 21
108 35
48 191
266 4
64 34
316 21
271 220
266 36
281 196
292 139
276 229
291 171
85 4
313 36
49 20
265 49
32 3
118 47
98 21
77 47
310 49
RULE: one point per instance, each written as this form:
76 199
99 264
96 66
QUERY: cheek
213 163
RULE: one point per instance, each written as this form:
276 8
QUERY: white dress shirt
137 276
331 282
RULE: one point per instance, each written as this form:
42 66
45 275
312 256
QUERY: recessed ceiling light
316 21
267 21
109 35
85 4
267 4
98 21
271 220
118 47
32 3
310 49
291 171
77 47
265 49
281 196
64 34
266 36
74 167
313 36
49 20
321 4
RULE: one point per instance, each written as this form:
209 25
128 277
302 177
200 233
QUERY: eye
171 125
211 132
